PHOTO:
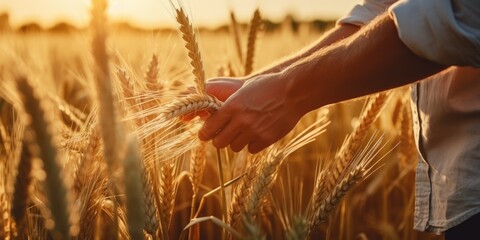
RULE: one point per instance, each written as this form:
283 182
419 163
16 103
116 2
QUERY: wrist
301 90
296 95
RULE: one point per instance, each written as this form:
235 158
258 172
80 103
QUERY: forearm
372 60
334 35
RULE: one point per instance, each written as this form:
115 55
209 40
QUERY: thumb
222 88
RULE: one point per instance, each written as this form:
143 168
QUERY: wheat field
92 146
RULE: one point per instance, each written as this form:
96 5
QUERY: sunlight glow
158 13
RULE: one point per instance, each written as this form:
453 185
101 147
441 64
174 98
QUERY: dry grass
96 155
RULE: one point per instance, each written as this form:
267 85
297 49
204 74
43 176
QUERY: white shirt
445 107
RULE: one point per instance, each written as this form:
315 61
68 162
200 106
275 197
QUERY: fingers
226 135
222 88
257 146
240 142
213 125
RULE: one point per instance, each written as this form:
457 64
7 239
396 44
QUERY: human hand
258 114
221 88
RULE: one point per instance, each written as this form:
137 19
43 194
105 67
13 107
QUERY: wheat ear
361 166
407 145
354 141
134 190
333 198
127 88
298 229
151 222
21 191
240 196
252 38
152 74
191 44
197 166
190 104
275 157
167 196
42 129
236 36
150 186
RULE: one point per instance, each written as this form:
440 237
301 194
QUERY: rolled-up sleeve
363 13
443 31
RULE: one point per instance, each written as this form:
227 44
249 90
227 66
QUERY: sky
158 13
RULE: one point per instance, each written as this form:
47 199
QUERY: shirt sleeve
364 12
443 31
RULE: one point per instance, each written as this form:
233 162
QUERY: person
434 45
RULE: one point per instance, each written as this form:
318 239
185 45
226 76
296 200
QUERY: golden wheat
191 104
40 125
145 193
21 190
134 190
252 37
191 45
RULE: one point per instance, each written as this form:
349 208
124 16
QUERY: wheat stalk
191 44
134 190
197 166
152 74
151 222
127 88
240 196
55 186
167 196
21 190
334 197
191 103
276 154
354 140
262 185
236 36
361 166
252 38
107 109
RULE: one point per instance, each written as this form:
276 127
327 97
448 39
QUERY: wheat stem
222 190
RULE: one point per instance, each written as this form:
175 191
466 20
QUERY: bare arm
266 109
334 35
372 60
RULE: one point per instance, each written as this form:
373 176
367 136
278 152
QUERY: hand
258 114
221 88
